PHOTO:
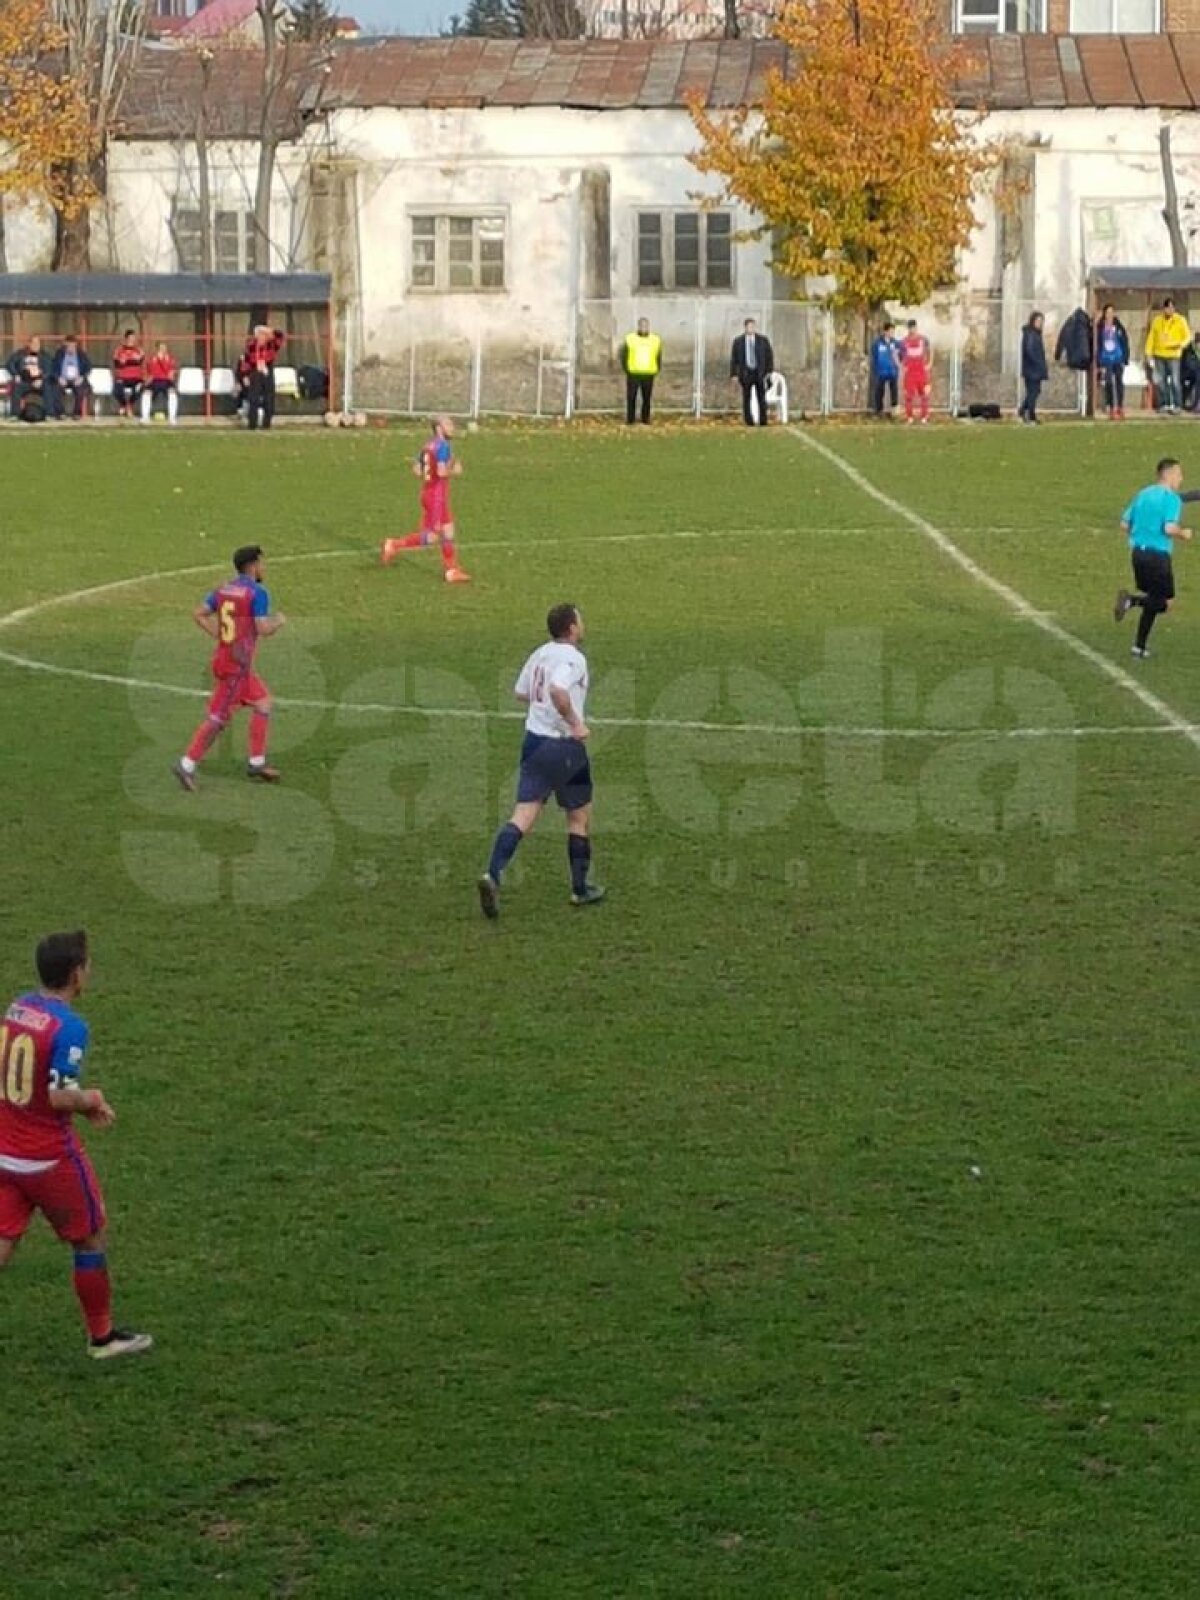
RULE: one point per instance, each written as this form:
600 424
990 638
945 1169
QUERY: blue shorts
557 767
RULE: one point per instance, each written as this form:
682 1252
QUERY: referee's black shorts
1153 575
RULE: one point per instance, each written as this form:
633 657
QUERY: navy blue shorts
557 767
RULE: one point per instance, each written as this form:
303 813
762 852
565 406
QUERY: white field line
1015 601
12 619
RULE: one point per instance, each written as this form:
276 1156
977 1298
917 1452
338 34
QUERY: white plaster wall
527 163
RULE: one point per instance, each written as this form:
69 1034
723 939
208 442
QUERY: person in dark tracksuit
1034 368
885 371
1112 357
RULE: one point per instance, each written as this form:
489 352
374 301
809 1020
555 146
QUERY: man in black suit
751 363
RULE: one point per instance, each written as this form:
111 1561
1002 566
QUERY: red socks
448 554
260 722
94 1291
202 740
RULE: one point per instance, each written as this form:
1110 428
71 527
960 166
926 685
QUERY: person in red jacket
129 373
916 371
162 377
261 353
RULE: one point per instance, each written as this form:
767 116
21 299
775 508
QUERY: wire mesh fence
467 359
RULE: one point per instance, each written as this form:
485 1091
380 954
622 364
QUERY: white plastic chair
191 381
777 396
287 383
100 382
221 380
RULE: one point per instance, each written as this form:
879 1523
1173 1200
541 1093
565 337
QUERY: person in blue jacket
885 371
1034 368
1112 357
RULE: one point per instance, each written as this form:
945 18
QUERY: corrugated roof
126 291
1011 71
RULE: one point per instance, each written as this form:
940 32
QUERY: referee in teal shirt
1151 521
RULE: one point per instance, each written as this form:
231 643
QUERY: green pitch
815 1218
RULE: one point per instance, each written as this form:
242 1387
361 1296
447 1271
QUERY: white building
495 215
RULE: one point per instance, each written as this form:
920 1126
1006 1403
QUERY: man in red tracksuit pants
915 371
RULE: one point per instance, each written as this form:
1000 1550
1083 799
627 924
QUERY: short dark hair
59 955
912 322
1165 465
1168 302
888 325
130 333
561 619
247 556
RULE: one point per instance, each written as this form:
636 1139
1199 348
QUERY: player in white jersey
554 759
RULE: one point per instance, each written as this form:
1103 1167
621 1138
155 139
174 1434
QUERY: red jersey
237 606
914 348
129 363
42 1046
162 369
434 454
263 352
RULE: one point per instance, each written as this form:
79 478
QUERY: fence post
956 360
477 373
827 362
698 349
347 367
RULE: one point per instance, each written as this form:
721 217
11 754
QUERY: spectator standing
1074 342
1112 357
917 370
129 373
69 371
162 380
262 352
1165 338
32 381
885 371
641 361
751 363
1034 367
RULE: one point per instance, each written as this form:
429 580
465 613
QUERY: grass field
815 1218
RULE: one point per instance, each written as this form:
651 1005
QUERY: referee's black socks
579 854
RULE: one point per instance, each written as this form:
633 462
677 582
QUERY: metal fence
454 355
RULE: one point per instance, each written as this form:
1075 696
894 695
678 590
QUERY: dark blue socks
504 849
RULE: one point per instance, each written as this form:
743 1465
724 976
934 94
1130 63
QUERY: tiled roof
217 18
1013 71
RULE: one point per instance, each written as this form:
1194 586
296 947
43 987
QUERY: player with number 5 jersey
553 684
236 615
43 1166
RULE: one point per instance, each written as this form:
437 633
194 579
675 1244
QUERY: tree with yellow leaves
856 160
44 127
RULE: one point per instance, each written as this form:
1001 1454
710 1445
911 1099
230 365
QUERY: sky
402 16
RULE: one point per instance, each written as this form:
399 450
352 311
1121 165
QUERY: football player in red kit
435 466
43 1166
915 372
237 616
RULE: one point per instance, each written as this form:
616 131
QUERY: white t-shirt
553 666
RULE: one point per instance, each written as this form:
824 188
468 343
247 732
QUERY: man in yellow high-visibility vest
641 357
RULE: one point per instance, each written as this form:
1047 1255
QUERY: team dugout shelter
1136 295
203 317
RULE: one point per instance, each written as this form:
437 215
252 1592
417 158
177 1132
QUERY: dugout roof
157 291
1146 280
